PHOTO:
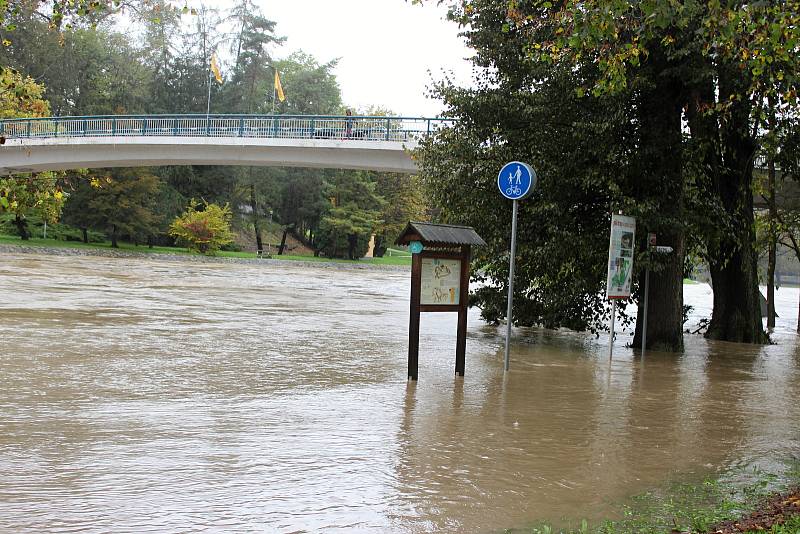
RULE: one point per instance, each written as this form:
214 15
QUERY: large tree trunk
773 242
114 243
665 300
256 219
737 310
660 108
283 241
85 233
380 247
352 243
773 219
22 228
737 314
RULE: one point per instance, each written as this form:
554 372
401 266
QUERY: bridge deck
353 142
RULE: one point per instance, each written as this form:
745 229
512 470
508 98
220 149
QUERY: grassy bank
697 507
53 243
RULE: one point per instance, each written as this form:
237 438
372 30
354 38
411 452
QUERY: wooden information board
439 281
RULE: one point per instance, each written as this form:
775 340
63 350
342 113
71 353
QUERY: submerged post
651 242
413 324
611 329
644 317
510 308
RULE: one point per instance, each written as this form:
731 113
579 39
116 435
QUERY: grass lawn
37 242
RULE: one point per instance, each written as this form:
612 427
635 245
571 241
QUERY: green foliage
404 201
579 149
120 202
759 38
791 526
85 71
204 231
646 68
26 195
354 215
55 231
311 88
251 76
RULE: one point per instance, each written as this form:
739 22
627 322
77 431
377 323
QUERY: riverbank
738 502
67 248
780 514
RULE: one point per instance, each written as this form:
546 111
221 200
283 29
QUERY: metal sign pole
515 181
510 310
644 320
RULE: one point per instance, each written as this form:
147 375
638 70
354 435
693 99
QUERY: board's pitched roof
439 234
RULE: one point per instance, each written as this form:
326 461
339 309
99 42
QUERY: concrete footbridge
343 142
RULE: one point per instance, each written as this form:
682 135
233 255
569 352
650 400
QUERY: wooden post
463 302
413 324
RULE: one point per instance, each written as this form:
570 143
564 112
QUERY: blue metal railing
365 128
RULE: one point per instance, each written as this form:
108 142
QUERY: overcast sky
386 48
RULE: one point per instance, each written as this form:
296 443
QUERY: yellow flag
215 68
278 87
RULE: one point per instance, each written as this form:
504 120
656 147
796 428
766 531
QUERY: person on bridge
349 124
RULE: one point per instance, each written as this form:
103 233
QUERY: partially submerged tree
787 160
707 63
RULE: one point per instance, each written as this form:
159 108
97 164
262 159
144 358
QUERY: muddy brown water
147 396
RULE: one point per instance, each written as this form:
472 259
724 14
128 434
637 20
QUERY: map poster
441 281
620 257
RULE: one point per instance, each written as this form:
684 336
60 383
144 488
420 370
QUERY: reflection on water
148 396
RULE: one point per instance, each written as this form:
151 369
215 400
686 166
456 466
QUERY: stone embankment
190 258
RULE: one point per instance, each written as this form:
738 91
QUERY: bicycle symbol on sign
514 191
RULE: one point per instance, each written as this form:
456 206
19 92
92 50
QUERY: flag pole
208 105
274 90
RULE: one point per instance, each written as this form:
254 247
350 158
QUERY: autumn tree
27 194
24 195
205 230
20 96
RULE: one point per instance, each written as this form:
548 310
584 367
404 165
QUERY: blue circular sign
516 180
415 247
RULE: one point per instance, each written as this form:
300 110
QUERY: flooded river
150 396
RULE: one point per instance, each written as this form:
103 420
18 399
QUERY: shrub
205 231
